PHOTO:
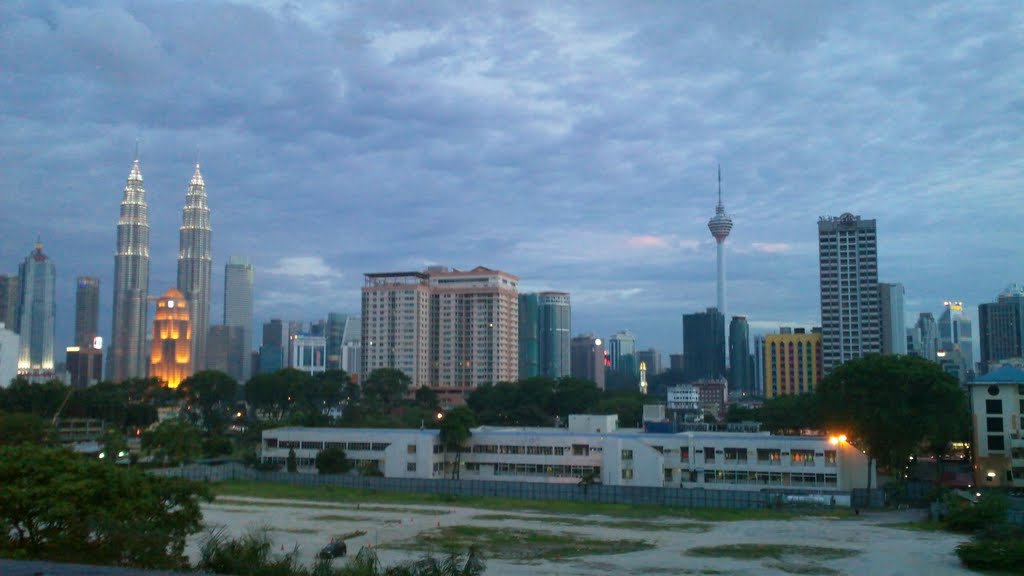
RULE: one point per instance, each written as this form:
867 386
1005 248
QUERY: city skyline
616 192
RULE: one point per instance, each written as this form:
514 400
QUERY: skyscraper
238 283
741 368
224 351
1001 328
588 359
10 302
38 278
352 345
848 264
622 351
704 345
891 319
131 284
170 358
87 310
529 335
555 333
720 225
792 363
273 356
335 334
652 358
194 264
929 335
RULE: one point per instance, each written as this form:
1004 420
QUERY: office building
334 331
10 302
273 353
741 367
793 363
704 345
238 298
10 348
195 261
929 336
621 348
997 404
352 345
127 351
37 277
309 353
170 357
588 359
451 330
1001 328
87 310
652 358
225 350
529 335
891 318
848 264
720 225
759 367
84 364
555 325
676 362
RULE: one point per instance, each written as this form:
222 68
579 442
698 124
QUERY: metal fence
597 493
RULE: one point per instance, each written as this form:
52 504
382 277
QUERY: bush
990 510
999 554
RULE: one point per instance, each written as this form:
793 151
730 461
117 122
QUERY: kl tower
720 226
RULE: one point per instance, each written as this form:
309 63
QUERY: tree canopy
173 441
332 460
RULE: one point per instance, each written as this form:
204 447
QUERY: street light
440 415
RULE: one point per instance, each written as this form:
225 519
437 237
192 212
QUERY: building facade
652 358
10 349
127 351
85 364
238 298
741 365
555 332
1001 329
704 345
793 363
622 352
225 350
195 262
529 335
10 301
309 353
997 412
170 358
588 359
929 331
891 318
273 351
334 331
37 277
87 310
848 265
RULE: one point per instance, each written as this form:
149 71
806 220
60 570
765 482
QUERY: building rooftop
1005 374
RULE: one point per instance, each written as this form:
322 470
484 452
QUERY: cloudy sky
574 145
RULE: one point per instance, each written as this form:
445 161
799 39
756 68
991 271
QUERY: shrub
990 510
999 554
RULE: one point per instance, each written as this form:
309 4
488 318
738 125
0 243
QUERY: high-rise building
238 283
127 351
194 264
848 263
10 348
335 333
170 358
792 363
891 318
1001 329
720 225
955 348
555 333
529 335
309 353
87 310
588 359
929 335
704 345
225 346
652 358
273 356
676 362
37 277
622 351
352 346
10 302
447 329
759 367
85 364
741 365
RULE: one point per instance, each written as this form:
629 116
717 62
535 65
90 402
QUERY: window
410 449
627 473
769 456
580 450
995 443
736 455
995 424
627 454
668 474
410 467
312 445
684 454
802 457
709 454
830 457
271 442
993 406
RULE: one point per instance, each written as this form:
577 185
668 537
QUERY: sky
575 145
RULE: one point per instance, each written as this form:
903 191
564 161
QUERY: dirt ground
883 550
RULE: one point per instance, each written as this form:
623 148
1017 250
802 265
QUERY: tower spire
719 184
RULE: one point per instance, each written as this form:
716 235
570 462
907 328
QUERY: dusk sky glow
574 145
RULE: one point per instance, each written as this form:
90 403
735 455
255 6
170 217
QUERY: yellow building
792 363
170 358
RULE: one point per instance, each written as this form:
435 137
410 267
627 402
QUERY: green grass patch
514 544
350 535
799 568
925 526
771 551
625 523
343 518
225 502
334 494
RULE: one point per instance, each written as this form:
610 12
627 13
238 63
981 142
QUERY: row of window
556 471
308 445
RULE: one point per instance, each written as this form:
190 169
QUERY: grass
333 494
342 518
225 501
925 526
625 524
296 530
770 551
797 568
514 544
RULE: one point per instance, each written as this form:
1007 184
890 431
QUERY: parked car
333 550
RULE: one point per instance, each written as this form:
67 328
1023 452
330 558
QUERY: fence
597 493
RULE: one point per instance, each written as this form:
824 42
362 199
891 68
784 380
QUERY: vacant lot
550 540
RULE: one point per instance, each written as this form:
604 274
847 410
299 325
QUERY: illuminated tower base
171 354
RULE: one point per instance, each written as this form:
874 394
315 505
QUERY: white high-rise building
10 347
893 323
848 264
128 346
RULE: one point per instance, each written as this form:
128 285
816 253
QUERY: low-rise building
591 446
997 414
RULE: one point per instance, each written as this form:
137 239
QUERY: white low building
592 446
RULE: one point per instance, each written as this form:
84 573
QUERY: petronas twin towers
128 349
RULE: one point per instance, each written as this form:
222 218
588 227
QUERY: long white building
591 444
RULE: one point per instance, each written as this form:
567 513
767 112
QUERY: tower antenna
719 184
136 149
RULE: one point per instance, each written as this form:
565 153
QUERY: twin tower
128 352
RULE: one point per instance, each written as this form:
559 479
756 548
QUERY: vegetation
455 433
519 544
967 517
1001 548
56 505
19 428
173 441
332 461
775 551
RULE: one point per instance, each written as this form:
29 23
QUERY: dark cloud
574 145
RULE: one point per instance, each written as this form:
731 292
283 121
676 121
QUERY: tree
58 506
212 394
292 463
384 389
455 432
22 428
113 444
892 405
173 441
791 413
427 399
573 396
332 460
